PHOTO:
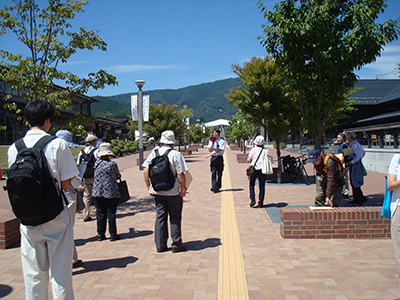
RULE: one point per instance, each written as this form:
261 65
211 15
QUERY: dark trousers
106 208
357 192
172 206
261 184
216 166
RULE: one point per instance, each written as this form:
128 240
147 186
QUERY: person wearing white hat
256 157
89 156
105 192
169 202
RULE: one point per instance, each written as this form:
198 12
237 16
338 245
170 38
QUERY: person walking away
168 202
393 184
341 139
71 194
357 170
47 249
255 157
105 192
216 147
329 184
89 156
101 136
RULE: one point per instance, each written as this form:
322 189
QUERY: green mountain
207 100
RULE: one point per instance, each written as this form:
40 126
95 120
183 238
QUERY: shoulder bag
251 169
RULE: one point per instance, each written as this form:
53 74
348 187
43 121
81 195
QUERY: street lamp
140 84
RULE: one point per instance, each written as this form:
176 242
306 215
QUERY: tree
266 98
46 34
319 44
239 129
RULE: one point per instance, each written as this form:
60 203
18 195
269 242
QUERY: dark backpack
339 176
160 173
89 159
31 188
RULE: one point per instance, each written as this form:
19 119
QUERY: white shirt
218 144
254 152
59 158
394 169
177 164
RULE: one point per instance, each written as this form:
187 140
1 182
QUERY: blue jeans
261 183
106 209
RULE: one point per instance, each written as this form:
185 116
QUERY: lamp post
140 84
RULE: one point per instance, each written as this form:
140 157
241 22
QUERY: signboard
135 108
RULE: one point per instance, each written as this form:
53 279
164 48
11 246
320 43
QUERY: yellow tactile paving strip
231 276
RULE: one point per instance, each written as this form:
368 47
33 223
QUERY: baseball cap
313 155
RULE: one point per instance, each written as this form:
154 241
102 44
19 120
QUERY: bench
333 223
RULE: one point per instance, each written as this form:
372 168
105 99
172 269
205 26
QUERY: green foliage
319 45
207 100
195 133
44 32
265 97
105 115
240 128
75 125
121 147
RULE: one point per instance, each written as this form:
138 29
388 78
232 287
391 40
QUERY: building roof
218 122
376 91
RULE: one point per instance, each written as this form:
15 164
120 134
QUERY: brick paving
275 268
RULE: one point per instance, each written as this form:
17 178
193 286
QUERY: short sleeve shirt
394 169
219 144
178 165
59 157
254 152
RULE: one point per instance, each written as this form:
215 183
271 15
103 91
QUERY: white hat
105 150
91 138
167 137
66 136
259 140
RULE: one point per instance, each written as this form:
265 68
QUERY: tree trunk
278 154
318 135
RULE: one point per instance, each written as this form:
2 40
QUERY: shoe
181 248
101 237
214 190
88 219
259 206
252 203
77 264
115 237
162 249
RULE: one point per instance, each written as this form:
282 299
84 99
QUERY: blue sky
174 44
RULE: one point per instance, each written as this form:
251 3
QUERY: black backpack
160 173
31 188
89 159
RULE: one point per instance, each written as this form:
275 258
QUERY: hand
182 193
328 202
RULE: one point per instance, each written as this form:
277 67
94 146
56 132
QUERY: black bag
160 173
89 159
123 191
31 188
250 170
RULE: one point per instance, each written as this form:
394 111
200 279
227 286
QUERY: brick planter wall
337 223
9 233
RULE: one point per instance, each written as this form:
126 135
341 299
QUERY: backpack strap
156 152
166 152
19 144
43 141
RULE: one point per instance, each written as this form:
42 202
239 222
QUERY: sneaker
115 237
77 264
181 248
101 237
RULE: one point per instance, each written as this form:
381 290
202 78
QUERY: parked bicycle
293 166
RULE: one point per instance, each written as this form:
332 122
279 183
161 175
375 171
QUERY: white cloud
136 68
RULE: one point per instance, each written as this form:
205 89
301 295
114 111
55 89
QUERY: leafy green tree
106 115
266 98
319 44
195 133
239 129
45 33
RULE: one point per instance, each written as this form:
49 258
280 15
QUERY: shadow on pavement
280 204
200 245
105 264
135 233
5 290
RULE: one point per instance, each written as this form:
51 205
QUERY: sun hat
259 140
90 138
313 155
66 136
105 150
167 137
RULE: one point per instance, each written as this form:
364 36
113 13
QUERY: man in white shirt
47 249
216 147
169 202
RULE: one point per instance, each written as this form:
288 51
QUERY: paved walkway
234 251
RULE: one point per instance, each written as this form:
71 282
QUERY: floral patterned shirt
105 183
